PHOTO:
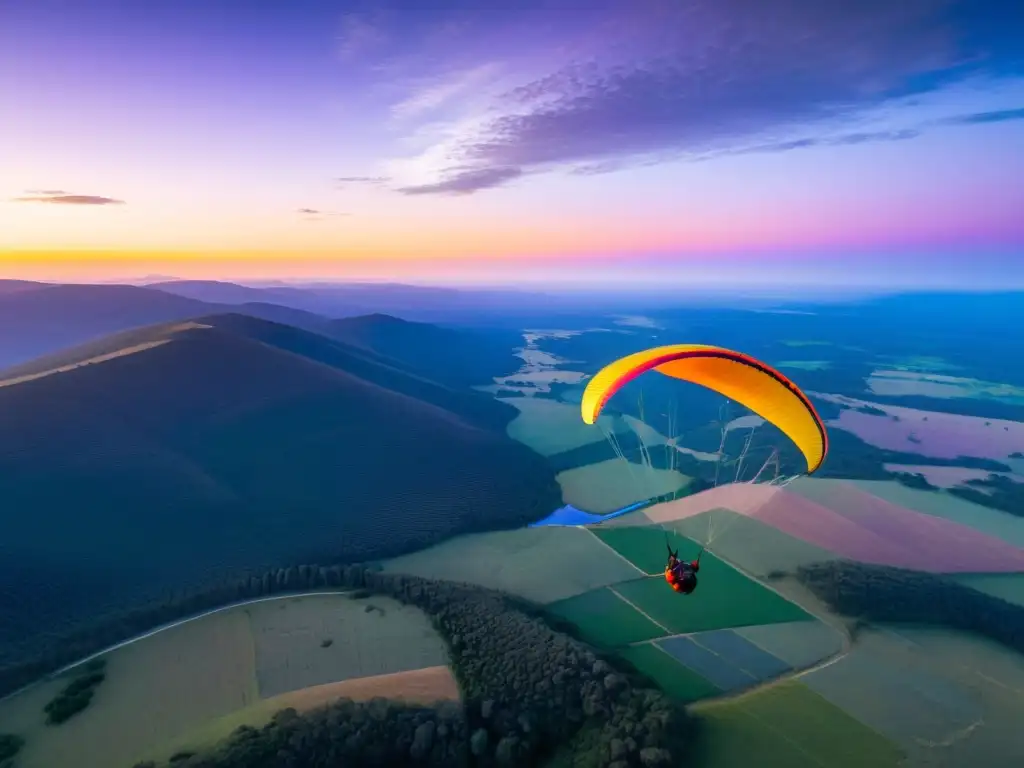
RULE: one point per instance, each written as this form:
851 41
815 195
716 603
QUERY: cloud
48 192
465 182
435 93
671 79
982 118
842 140
371 181
66 199
315 214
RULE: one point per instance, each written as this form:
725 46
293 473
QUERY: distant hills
49 318
165 457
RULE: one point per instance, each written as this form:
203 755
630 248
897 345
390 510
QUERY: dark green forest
875 593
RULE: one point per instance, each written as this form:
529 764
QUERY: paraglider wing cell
734 375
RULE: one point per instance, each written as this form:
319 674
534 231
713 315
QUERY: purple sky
643 140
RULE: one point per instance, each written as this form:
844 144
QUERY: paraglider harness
680 575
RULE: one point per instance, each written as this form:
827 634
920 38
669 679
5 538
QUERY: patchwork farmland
182 687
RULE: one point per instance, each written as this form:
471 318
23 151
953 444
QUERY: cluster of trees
10 746
876 593
378 732
76 695
996 491
528 688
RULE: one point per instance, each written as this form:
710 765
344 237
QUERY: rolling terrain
53 318
177 455
767 663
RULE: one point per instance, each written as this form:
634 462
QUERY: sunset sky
604 141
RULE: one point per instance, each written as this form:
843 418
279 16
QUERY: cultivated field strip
316 640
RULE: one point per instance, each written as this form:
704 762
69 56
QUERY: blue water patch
708 665
742 653
569 515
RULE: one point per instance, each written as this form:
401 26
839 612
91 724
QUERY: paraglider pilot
681 575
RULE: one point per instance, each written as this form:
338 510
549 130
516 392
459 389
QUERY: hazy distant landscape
630 384
386 468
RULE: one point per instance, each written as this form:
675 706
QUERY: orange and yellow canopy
734 375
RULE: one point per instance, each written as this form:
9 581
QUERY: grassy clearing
550 427
155 689
611 485
541 564
605 620
672 677
421 686
787 726
287 637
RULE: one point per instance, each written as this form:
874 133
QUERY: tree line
877 593
528 689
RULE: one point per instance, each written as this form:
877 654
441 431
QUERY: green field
725 597
550 427
378 636
787 726
605 620
611 485
671 676
756 547
948 698
542 564
644 546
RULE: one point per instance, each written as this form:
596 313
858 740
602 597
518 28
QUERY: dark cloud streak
65 199
465 182
983 118
708 78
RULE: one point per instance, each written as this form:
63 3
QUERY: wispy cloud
351 181
465 182
47 192
315 214
700 78
437 92
982 118
63 198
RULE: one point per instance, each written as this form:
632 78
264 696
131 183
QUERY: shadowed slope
457 357
207 451
50 318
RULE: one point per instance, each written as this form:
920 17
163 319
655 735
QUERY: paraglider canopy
734 375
